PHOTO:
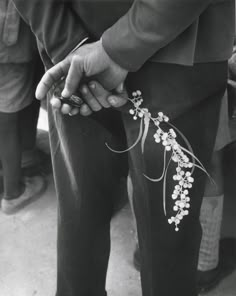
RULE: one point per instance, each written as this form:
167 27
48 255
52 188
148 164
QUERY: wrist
110 58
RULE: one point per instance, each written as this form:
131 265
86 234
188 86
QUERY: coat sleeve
55 25
148 26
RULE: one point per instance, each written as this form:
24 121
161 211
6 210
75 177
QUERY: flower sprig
184 158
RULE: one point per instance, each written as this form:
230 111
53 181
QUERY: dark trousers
87 174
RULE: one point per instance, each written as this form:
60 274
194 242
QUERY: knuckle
76 59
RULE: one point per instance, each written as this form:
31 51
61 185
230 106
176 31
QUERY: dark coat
171 31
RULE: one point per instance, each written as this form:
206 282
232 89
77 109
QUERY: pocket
11 25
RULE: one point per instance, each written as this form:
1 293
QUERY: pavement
28 247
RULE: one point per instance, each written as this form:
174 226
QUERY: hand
95 98
88 60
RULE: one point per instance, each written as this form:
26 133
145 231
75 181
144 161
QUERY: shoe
208 280
34 187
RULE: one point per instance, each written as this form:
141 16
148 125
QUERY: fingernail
112 100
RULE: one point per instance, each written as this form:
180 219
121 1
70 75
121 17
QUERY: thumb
120 98
117 101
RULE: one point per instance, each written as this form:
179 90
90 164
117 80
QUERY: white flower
181 157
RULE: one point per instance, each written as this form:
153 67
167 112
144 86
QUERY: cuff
128 55
116 53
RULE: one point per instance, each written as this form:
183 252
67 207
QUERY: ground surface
28 249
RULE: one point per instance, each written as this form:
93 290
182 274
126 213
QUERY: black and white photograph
117 148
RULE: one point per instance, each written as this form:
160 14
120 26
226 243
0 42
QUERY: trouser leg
168 258
29 115
10 154
28 119
86 174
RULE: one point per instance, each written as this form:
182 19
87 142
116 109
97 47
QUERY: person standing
173 53
17 84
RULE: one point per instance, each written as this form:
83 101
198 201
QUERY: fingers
64 108
95 98
73 77
52 76
74 111
106 98
57 104
117 101
100 93
91 101
85 110
120 98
